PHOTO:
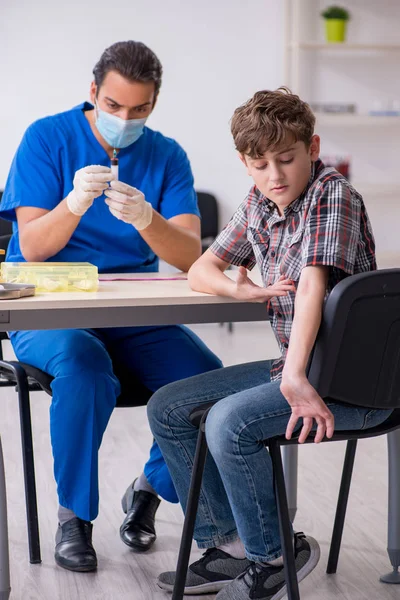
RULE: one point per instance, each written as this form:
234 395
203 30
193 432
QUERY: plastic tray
53 277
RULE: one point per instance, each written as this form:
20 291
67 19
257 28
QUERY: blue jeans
237 497
85 391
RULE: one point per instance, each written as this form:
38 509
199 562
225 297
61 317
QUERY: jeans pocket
375 417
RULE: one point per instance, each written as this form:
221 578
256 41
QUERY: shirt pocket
258 236
292 255
259 239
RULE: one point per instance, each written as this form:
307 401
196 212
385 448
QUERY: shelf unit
356 120
297 14
376 190
303 49
344 47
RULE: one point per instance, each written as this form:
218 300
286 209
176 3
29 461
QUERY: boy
306 227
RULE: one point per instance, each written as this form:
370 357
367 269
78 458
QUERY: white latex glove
89 183
129 205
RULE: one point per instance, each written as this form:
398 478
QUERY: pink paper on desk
143 279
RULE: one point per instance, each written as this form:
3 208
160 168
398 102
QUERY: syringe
114 165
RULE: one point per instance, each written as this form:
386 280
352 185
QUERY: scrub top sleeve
178 195
34 179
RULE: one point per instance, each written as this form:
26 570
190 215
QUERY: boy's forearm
307 319
208 278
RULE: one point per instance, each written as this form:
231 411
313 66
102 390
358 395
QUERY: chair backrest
5 233
209 215
356 358
4 241
5 227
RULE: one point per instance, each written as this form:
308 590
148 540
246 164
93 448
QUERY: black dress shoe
138 530
74 550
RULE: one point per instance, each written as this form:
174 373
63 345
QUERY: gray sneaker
263 582
208 575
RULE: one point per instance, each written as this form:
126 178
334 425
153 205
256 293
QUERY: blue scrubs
85 388
42 172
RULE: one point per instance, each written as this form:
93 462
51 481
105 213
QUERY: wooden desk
125 303
115 304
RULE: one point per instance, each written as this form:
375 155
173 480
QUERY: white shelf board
355 120
344 46
376 189
388 259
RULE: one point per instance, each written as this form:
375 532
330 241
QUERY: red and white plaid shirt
327 225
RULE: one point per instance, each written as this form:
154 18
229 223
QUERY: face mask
116 131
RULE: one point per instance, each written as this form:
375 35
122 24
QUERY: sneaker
265 582
208 575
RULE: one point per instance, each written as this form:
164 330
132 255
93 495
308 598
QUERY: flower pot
335 30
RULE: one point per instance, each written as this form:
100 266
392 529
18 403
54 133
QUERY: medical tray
52 277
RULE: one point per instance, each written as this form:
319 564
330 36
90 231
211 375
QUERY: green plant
336 12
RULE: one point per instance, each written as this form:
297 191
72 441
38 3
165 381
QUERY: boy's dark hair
133 60
269 120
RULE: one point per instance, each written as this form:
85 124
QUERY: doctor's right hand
89 183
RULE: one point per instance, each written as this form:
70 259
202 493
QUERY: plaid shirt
327 225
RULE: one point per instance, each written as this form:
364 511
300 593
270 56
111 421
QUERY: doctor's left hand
128 204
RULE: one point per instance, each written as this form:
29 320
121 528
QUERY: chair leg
4 549
29 465
341 506
286 533
191 511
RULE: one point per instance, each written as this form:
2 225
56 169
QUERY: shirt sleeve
178 194
232 244
332 229
33 179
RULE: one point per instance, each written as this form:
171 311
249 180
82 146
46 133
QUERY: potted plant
336 19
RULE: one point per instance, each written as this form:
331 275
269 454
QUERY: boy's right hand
89 183
247 290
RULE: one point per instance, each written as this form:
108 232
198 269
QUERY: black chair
356 360
26 379
5 233
209 218
208 208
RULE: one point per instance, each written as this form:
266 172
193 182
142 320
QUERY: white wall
215 54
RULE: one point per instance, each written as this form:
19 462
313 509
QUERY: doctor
66 205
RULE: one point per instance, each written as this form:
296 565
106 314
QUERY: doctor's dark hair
133 60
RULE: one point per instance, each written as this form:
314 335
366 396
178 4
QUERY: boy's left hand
246 289
308 405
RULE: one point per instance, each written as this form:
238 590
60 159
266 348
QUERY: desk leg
4 559
289 456
394 507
